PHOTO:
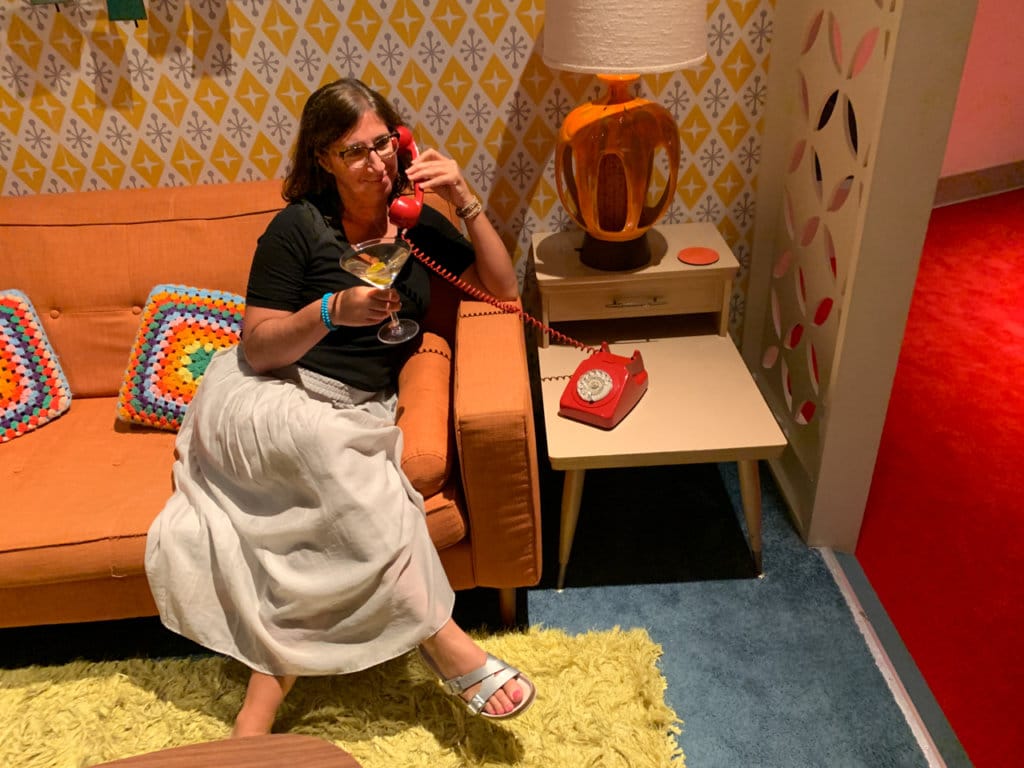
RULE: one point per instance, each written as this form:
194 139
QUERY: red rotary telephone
604 388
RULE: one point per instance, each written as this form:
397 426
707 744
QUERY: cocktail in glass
377 262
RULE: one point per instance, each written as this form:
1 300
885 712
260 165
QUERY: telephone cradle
604 388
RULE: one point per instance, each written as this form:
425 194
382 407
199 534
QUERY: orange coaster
699 257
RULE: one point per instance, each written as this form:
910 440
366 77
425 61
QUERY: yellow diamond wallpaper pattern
210 91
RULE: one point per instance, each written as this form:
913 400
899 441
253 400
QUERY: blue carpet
769 672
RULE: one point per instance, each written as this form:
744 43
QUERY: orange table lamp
609 151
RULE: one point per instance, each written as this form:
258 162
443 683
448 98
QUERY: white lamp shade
620 37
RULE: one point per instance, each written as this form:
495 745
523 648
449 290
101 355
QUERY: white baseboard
885 665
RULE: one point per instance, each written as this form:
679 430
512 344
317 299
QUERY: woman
293 542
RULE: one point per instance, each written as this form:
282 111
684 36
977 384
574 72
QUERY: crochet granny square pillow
180 330
33 388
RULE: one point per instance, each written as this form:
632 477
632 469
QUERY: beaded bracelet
325 312
470 210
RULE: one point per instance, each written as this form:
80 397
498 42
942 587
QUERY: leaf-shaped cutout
776 315
782 264
840 193
793 337
812 31
827 109
817 176
801 290
787 383
830 251
805 412
862 55
851 126
812 367
810 230
770 357
823 311
805 101
797 156
835 40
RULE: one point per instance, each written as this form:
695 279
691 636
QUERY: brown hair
330 112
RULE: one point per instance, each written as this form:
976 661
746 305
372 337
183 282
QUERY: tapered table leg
750 495
572 492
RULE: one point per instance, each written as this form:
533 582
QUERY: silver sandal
491 676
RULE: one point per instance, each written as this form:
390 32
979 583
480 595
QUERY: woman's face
367 181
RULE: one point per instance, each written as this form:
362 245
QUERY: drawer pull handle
654 301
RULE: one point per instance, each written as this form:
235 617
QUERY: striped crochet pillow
180 330
33 388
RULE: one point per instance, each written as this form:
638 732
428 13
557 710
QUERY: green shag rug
600 702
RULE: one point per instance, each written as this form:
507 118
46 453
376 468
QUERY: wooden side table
702 404
273 751
572 291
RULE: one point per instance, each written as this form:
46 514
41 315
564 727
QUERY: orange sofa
77 495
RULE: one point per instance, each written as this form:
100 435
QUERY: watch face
594 385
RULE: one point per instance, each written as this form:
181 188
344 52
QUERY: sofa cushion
105 484
87 514
180 330
33 388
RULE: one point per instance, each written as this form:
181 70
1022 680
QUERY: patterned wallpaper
210 91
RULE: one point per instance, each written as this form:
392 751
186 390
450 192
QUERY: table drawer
637 299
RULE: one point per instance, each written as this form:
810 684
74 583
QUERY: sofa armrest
423 413
494 432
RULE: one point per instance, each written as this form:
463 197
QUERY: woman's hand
363 305
272 338
435 172
492 271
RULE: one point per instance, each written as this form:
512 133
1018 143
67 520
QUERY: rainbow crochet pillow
33 388
180 330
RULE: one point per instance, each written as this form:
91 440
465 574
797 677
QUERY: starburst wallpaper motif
210 91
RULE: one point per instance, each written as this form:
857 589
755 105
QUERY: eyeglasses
358 155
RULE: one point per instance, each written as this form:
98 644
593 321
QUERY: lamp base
615 256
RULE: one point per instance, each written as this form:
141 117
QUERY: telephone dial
604 388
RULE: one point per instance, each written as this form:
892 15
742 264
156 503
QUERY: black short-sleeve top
298 260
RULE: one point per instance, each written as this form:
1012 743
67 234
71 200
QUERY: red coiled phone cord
476 293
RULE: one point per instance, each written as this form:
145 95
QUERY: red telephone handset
605 386
404 210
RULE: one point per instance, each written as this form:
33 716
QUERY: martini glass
377 262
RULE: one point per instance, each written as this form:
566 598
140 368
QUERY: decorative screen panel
838 95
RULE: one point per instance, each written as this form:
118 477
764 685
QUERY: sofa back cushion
89 260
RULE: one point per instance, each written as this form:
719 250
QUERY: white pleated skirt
293 542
